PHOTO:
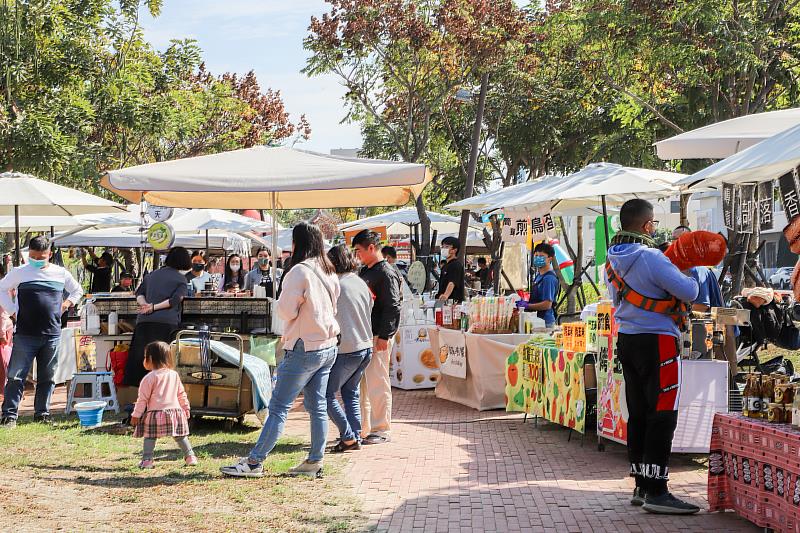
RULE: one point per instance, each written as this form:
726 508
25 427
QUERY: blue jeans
299 371
346 377
44 349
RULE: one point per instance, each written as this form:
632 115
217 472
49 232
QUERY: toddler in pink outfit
162 408
6 343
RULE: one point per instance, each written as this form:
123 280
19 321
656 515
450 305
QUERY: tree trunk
684 209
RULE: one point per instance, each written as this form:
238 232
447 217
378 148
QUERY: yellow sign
160 236
380 230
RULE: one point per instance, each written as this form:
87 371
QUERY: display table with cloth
548 382
67 357
483 384
754 470
704 392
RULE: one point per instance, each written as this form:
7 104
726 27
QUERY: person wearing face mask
233 278
262 274
544 291
651 297
198 276
125 283
39 287
451 280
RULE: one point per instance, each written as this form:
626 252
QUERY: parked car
782 278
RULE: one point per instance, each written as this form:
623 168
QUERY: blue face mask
539 261
37 263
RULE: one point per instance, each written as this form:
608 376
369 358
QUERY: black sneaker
8 423
638 497
668 504
43 419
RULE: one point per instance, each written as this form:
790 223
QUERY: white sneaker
243 469
307 468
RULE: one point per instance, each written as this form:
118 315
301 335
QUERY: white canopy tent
480 202
26 195
270 177
723 139
131 238
398 221
764 161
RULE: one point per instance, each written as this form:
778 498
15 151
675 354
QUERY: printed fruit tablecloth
544 381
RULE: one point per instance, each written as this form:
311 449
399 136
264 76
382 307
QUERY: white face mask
235 267
445 251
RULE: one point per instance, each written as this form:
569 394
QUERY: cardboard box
189 354
195 393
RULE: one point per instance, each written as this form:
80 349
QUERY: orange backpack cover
697 248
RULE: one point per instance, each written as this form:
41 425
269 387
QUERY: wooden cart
216 389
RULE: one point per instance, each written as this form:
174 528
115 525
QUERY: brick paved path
450 468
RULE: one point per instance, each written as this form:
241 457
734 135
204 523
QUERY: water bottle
90 320
113 319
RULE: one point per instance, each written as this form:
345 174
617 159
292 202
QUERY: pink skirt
166 423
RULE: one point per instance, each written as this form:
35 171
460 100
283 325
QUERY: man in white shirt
39 288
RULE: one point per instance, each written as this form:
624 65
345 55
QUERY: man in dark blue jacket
652 298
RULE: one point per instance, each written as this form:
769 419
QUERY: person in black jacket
385 284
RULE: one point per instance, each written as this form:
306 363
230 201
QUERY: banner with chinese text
612 417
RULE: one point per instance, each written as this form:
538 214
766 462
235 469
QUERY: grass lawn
65 478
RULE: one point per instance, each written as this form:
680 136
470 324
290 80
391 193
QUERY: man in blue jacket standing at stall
651 297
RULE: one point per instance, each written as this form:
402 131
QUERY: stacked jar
780 406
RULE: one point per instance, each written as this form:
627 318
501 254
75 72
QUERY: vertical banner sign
727 205
542 226
747 204
515 229
765 205
789 195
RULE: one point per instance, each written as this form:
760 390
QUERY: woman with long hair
234 275
307 306
354 314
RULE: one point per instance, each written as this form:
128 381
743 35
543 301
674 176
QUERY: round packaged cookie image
443 354
419 378
434 377
428 359
398 355
399 375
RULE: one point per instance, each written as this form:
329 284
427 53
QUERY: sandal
341 447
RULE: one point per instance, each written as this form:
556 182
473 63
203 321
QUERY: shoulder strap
330 292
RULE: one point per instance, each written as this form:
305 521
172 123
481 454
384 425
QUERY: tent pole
605 219
17 252
274 248
410 245
207 256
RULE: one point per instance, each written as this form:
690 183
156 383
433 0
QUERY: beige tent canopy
250 177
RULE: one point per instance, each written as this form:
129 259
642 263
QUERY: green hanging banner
600 245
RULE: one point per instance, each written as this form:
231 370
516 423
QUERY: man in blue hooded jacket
649 294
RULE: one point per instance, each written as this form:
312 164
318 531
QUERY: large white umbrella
607 182
480 202
723 139
132 238
764 161
26 195
270 177
407 216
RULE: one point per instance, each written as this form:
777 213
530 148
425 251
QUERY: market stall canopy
131 238
584 188
249 177
36 223
481 201
284 242
723 139
34 196
398 221
764 161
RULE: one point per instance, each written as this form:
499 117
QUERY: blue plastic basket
90 413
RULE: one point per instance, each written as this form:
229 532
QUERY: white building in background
345 152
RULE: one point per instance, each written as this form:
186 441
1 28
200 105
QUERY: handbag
116 361
330 293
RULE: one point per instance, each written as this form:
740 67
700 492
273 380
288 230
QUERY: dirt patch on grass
66 479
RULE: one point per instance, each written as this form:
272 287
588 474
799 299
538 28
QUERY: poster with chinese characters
747 208
766 206
515 229
789 195
728 190
542 226
453 353
612 412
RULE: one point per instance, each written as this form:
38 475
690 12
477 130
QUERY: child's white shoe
191 460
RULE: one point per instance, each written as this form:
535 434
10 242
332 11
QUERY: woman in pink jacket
307 306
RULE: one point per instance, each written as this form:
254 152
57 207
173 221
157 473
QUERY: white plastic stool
96 380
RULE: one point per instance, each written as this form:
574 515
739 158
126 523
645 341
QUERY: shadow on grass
71 468
239 449
141 481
